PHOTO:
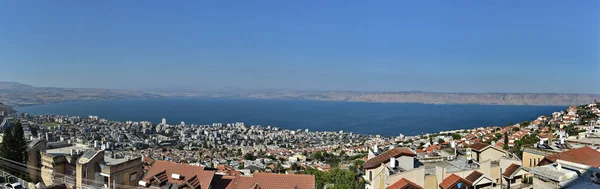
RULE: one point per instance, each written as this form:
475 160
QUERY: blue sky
442 46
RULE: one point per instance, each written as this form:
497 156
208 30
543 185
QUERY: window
133 177
530 162
84 174
370 175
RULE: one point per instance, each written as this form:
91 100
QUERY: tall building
164 121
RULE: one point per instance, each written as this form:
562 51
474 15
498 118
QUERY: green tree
498 136
294 166
456 136
358 164
505 146
249 156
339 178
14 147
441 141
318 156
20 144
7 143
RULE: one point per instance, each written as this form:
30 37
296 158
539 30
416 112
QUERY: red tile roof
432 148
224 182
193 175
473 176
478 146
511 169
452 181
275 181
584 155
404 184
385 157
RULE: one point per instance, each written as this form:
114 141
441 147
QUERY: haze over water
388 119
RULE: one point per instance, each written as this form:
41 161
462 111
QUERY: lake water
388 119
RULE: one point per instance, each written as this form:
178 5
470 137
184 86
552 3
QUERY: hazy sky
444 46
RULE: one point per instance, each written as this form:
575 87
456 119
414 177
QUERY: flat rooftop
550 171
595 142
65 150
458 164
112 161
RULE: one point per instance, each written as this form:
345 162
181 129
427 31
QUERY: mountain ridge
17 94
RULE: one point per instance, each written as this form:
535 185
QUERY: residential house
532 156
170 175
455 182
165 174
514 174
404 184
378 168
483 152
584 155
566 174
94 170
58 163
479 180
273 181
34 160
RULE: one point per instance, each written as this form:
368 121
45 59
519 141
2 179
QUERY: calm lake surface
388 119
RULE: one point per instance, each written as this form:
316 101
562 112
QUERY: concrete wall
504 163
52 168
35 160
491 154
540 184
431 182
374 178
120 174
90 169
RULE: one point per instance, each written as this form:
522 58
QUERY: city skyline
535 47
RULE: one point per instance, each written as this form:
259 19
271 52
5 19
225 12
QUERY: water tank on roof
176 176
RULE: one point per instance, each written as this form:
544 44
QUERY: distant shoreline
19 95
184 98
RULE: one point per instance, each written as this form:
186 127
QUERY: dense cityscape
275 94
92 152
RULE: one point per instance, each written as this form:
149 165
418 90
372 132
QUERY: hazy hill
6 109
13 93
18 94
